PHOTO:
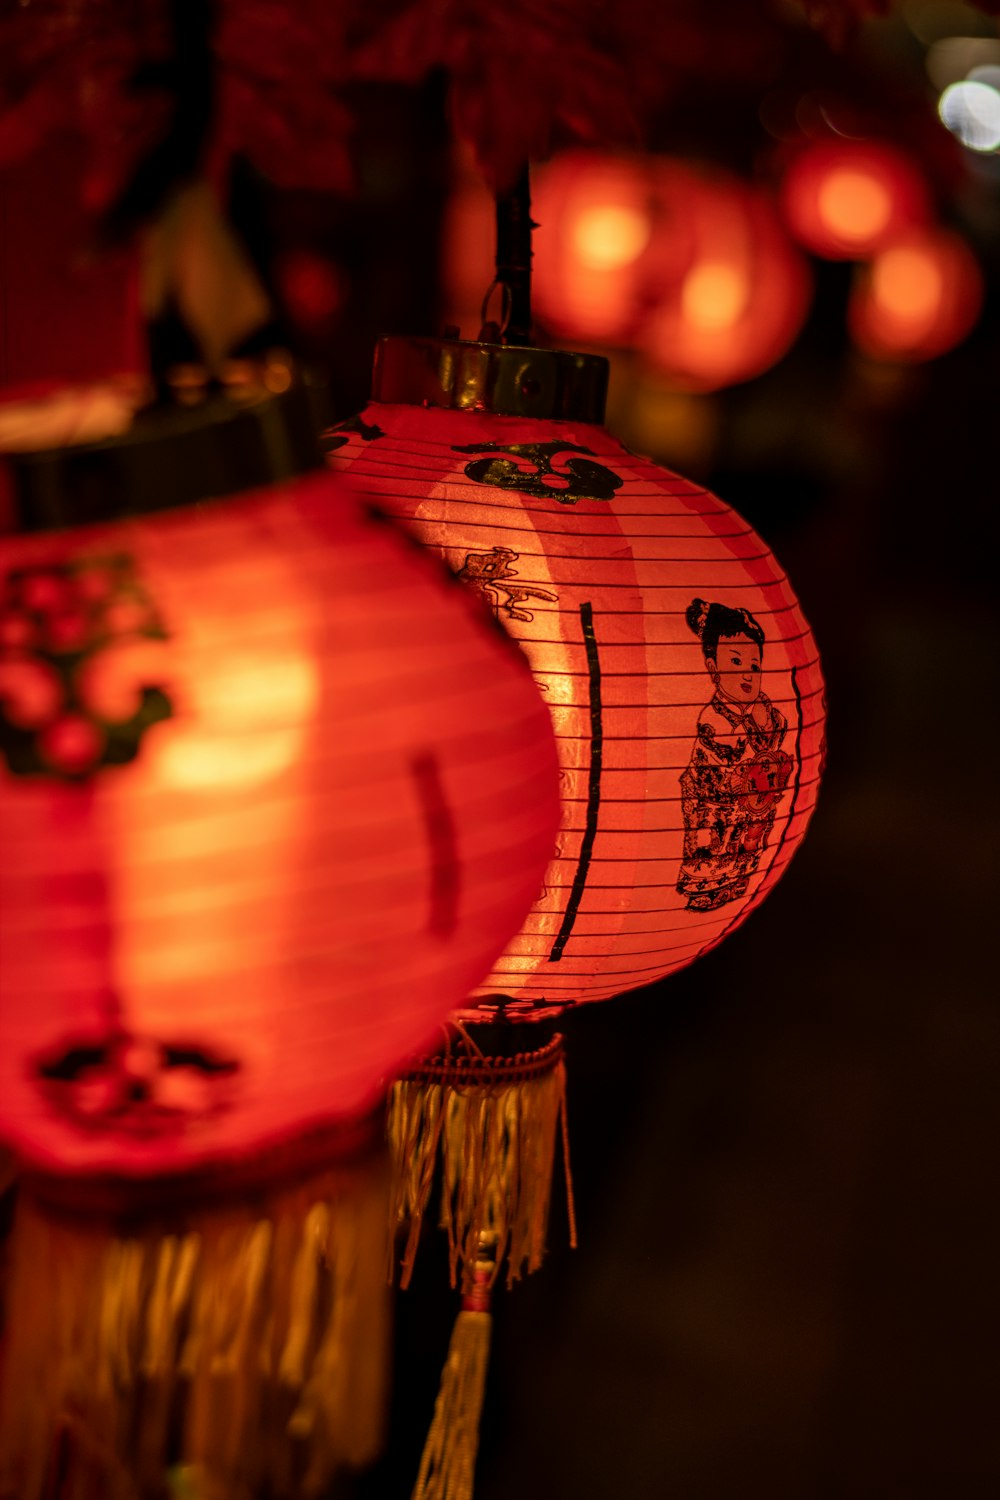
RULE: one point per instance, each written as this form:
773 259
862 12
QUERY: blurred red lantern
681 677
246 746
596 216
274 794
743 294
845 200
920 297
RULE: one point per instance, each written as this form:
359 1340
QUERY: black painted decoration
442 837
338 435
593 784
577 479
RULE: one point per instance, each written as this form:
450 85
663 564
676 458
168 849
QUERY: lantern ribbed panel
592 560
316 853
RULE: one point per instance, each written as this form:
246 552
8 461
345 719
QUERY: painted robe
729 793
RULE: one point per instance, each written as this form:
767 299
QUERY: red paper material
274 794
688 776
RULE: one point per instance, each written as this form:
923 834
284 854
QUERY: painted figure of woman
737 770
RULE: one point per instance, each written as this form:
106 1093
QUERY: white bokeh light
971 110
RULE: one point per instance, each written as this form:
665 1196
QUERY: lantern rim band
168 457
473 1069
502 379
347 1146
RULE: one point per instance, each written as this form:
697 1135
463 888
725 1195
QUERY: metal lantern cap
504 379
168 456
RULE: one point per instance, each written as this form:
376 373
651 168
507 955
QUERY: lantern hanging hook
490 331
513 264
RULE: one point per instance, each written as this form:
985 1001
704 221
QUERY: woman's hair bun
696 614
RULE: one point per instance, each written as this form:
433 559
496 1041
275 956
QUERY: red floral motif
80 667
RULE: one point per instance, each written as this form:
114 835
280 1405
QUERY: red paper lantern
743 294
845 200
681 676
273 796
919 297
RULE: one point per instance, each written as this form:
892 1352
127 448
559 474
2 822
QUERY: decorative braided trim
469 1068
491 1124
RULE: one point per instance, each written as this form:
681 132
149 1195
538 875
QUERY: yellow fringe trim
493 1123
245 1354
449 1457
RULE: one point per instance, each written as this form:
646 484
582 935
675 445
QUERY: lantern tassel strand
494 1123
447 1465
214 1360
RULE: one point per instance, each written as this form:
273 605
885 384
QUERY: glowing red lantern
274 794
919 297
682 679
246 747
845 200
743 294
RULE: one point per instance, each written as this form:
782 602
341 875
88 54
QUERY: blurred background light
844 200
714 295
743 298
955 57
854 205
610 235
919 297
594 227
989 73
971 111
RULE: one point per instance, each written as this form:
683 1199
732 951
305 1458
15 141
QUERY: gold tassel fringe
448 1463
243 1355
494 1124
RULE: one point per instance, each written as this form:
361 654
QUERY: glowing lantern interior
274 795
687 780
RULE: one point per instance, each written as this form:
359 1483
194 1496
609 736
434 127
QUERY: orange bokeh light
919 298
714 295
691 266
845 200
595 228
610 235
743 295
854 206
313 286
